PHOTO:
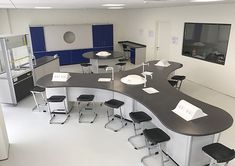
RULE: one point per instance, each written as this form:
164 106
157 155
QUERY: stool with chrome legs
89 100
179 80
86 65
53 113
38 90
173 83
121 66
219 153
154 137
138 118
114 104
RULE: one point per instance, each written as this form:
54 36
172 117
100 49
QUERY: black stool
113 103
154 137
219 153
126 51
103 67
121 66
86 65
88 99
173 83
38 90
123 59
179 80
53 113
138 118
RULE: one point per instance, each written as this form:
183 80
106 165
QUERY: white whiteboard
54 37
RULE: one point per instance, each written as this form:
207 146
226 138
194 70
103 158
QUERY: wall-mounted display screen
206 41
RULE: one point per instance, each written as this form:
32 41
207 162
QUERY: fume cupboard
16 78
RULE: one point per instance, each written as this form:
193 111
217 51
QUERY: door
162 41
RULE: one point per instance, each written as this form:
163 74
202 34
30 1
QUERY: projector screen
206 41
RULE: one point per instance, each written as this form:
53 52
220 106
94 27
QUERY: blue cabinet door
102 35
132 58
37 38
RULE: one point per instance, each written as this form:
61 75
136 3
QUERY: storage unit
16 79
48 40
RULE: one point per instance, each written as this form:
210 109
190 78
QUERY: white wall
218 77
4 22
21 19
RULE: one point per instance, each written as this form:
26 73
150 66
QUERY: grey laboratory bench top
160 104
92 55
132 44
43 60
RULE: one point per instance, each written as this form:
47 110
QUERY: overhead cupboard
69 42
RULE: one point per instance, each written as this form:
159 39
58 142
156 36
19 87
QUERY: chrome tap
110 68
145 64
145 77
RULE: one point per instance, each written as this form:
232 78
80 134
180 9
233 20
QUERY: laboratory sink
133 80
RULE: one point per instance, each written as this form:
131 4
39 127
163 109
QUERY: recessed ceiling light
42 7
206 0
116 7
113 5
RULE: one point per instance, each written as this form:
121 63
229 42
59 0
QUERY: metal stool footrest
86 121
53 113
58 122
88 100
109 121
133 144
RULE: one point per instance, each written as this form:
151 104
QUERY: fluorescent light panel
116 7
42 7
113 5
206 0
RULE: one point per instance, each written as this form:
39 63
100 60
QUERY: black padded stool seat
113 103
121 64
178 77
85 64
139 117
173 82
219 152
85 98
56 99
38 89
103 66
155 135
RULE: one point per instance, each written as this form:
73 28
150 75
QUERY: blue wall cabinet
38 39
132 58
102 41
102 35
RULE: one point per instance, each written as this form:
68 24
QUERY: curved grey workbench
160 104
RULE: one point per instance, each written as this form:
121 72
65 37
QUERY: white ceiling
84 4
